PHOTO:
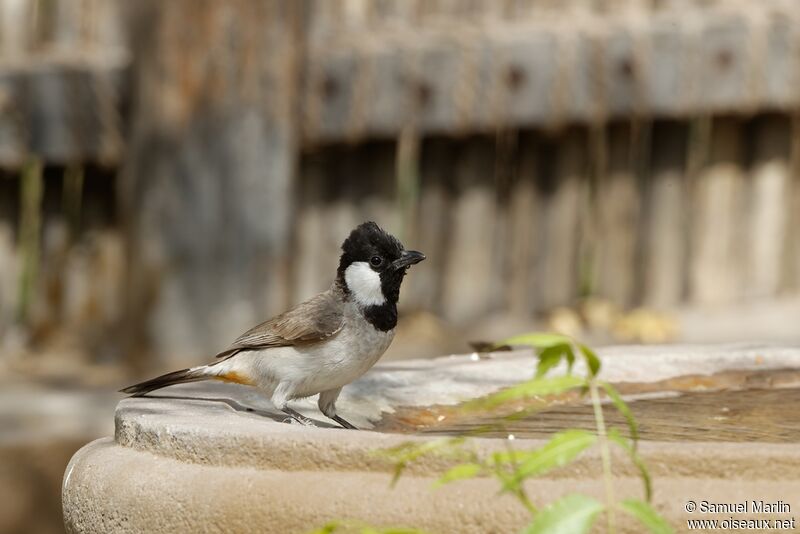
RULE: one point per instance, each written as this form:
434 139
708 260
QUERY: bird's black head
372 267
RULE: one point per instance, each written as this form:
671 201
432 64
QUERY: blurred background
174 172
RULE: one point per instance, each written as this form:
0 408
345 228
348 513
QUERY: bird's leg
327 405
342 421
300 418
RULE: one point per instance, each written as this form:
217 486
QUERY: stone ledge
233 437
107 489
216 456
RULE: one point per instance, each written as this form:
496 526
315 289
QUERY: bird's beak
409 257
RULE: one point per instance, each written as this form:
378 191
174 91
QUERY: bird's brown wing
313 320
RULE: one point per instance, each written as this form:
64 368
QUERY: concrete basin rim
212 433
275 445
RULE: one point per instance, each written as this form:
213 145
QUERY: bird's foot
296 417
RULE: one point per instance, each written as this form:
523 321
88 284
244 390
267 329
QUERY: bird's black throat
383 317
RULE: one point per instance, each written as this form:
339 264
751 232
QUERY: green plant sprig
573 513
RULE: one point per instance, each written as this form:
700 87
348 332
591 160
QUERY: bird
322 344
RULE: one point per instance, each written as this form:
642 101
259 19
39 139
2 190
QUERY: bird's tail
176 377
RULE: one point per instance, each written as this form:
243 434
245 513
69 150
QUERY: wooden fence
661 213
537 151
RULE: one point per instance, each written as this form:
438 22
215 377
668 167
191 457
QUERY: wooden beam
62 110
448 79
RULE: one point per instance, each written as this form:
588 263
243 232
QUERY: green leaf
572 514
353 526
400 530
592 361
459 472
614 435
536 387
549 358
409 451
536 340
329 528
624 409
646 515
562 448
570 359
399 467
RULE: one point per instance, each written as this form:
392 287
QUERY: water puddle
734 406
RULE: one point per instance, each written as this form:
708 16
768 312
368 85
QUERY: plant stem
605 455
519 490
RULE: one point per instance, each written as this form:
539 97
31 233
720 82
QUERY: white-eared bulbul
326 342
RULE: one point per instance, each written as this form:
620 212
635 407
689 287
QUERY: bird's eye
376 261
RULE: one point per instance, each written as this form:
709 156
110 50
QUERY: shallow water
730 407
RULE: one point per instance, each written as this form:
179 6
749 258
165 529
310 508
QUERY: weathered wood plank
376 179
13 125
670 87
16 36
718 228
523 224
724 66
791 283
778 72
10 258
63 111
308 275
437 160
504 178
665 213
561 190
769 206
342 191
524 71
70 27
469 269
207 183
616 232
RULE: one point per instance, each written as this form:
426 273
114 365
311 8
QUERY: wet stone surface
733 406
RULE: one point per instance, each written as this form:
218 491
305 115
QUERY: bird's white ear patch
364 284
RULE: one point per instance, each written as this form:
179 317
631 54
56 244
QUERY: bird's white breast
310 369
